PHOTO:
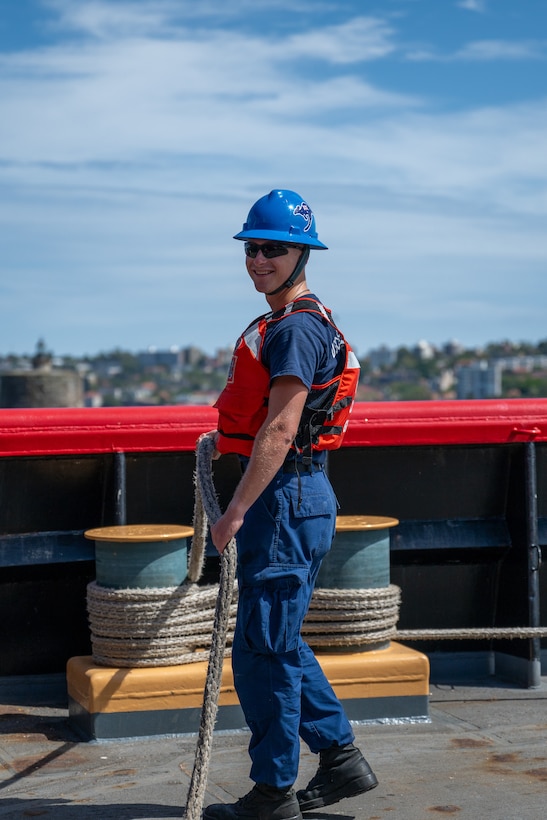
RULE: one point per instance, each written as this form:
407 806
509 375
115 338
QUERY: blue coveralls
282 689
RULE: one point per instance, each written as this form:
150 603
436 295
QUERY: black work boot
262 803
343 772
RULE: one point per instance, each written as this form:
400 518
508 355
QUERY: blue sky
136 134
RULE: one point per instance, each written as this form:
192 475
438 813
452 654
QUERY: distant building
107 368
382 357
445 381
172 358
223 357
479 380
424 350
452 348
523 364
193 356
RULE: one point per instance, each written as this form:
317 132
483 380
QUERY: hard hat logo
305 212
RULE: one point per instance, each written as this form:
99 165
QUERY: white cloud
130 157
357 40
102 19
114 19
128 114
485 51
503 50
473 5
360 38
116 100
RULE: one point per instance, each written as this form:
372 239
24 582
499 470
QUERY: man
287 400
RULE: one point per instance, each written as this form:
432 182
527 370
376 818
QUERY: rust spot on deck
469 743
120 773
509 757
445 809
541 774
63 759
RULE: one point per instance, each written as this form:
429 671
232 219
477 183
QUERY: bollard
140 556
359 556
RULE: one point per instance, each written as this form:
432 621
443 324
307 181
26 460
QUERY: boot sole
292 817
358 786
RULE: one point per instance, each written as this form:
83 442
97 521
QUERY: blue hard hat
284 217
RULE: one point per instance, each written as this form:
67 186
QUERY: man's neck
279 300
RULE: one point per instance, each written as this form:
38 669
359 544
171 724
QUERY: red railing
141 429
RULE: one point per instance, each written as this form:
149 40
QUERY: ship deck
481 754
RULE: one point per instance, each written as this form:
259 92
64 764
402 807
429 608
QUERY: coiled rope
159 626
352 617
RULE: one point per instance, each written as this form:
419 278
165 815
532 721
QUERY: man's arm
286 403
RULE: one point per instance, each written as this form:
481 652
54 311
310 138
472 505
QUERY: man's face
269 274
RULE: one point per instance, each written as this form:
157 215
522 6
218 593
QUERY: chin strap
304 256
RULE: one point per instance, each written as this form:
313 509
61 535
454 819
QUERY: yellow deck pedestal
109 702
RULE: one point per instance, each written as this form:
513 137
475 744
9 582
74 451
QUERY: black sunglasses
269 250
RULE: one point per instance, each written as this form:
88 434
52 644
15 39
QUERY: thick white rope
164 626
473 633
207 496
157 626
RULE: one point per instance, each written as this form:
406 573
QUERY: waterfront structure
42 385
479 380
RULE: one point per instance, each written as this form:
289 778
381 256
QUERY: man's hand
214 435
225 529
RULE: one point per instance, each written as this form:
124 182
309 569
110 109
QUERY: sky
136 134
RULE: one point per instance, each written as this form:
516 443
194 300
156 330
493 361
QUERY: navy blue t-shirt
305 345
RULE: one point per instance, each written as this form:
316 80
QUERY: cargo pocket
273 616
313 521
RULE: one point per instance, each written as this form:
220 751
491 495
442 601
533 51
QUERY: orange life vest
243 404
